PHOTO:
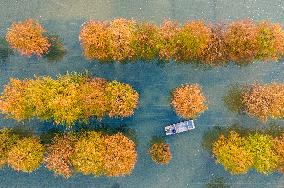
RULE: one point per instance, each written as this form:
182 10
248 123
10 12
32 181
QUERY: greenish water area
192 166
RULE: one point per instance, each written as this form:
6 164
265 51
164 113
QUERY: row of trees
242 41
67 99
77 97
262 101
90 152
240 153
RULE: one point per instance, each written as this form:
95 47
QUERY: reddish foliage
241 40
94 37
216 52
122 35
188 101
28 38
59 153
279 149
265 101
120 155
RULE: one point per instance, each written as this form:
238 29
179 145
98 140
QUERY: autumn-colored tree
7 141
278 148
191 41
122 34
270 41
216 51
88 155
120 155
28 37
265 160
231 152
188 101
12 100
122 99
94 37
94 98
160 153
99 154
59 154
146 41
27 155
265 101
241 41
67 99
167 39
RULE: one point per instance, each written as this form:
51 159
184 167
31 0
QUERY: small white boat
179 127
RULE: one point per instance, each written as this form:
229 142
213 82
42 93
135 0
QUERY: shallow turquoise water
191 165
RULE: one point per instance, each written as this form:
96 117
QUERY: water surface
191 165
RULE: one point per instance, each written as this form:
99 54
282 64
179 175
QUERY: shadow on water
46 137
107 129
57 51
116 185
48 130
5 50
157 140
23 130
233 99
217 182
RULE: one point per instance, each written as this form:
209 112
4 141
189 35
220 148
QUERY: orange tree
278 147
264 101
122 34
59 153
28 37
167 39
160 152
120 155
188 101
94 98
241 40
94 38
90 152
122 99
216 51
